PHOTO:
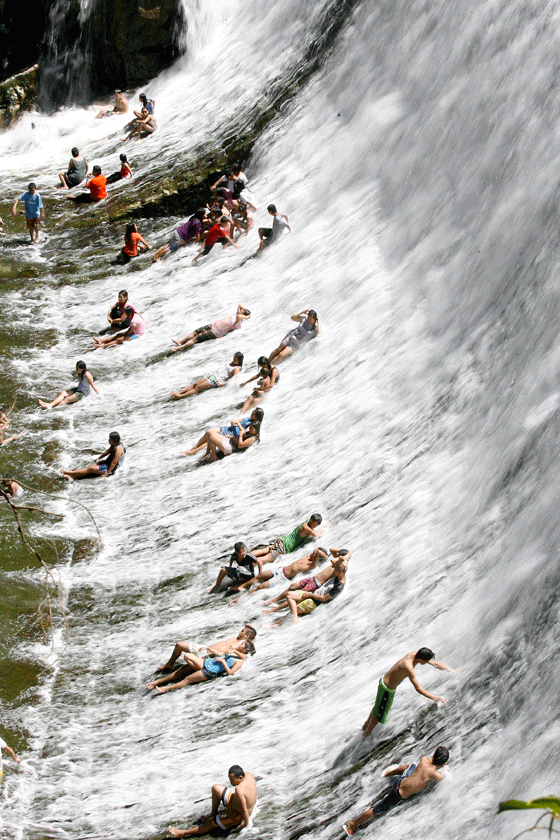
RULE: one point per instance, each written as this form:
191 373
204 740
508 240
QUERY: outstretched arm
440 666
420 690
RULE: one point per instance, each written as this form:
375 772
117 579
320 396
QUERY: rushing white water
418 169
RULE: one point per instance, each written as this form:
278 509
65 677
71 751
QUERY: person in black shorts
243 567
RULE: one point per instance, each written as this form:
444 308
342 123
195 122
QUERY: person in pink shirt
216 330
135 330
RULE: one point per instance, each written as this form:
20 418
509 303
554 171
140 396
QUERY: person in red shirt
96 186
132 242
217 233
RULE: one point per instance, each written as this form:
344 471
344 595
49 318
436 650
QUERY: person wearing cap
120 107
190 231
309 326
34 210
390 681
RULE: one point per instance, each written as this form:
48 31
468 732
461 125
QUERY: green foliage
550 804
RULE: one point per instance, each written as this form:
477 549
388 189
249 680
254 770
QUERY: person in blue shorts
34 210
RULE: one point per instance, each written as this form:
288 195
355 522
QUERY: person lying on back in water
289 542
246 633
241 568
107 463
301 588
390 681
73 395
231 430
218 329
281 575
216 379
238 800
412 780
198 670
303 603
309 327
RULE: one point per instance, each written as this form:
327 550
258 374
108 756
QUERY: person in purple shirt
189 232
34 210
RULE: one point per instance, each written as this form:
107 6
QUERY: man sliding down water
390 681
215 649
238 800
412 780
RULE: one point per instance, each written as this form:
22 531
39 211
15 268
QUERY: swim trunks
204 333
393 797
277 547
227 793
383 702
279 578
308 584
307 606
103 468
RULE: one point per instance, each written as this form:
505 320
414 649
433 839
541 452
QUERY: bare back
400 671
425 773
245 795
304 564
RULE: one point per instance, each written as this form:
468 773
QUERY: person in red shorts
97 187
132 242
217 233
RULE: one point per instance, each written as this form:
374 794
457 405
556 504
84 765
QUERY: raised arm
299 315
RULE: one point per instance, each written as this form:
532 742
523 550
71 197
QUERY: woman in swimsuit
268 376
231 430
226 444
124 172
72 395
217 379
200 670
105 465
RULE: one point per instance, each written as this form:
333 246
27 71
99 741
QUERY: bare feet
175 340
150 685
189 452
67 477
175 832
175 395
43 404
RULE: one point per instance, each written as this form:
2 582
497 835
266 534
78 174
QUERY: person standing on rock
34 210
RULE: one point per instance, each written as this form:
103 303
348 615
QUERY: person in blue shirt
34 210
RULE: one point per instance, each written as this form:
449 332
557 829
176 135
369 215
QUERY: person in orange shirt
97 187
132 242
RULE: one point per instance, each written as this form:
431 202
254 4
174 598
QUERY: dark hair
316 517
251 631
264 362
238 546
130 229
224 220
246 311
200 214
220 192
425 654
228 173
75 152
249 647
32 186
142 97
115 437
96 170
312 314
81 366
123 157
322 550
260 413
239 357
236 770
238 187
124 293
235 168
256 424
343 552
129 311
441 756
272 208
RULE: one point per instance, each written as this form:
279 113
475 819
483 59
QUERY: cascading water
418 168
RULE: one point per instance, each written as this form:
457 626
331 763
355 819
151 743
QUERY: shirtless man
239 801
412 780
390 681
300 589
275 577
215 649
289 542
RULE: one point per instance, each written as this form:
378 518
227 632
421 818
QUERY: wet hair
221 193
32 186
246 311
238 187
124 293
142 97
96 170
425 654
316 517
236 770
343 552
123 157
235 168
252 633
256 424
228 173
264 362
130 229
259 412
200 214
115 437
129 311
224 220
441 756
81 366
238 546
250 649
239 357
75 152
272 208
312 314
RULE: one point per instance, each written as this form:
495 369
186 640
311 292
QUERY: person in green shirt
289 542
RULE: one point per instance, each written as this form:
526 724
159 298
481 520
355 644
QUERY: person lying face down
198 669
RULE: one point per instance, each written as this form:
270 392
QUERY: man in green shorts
390 681
289 542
